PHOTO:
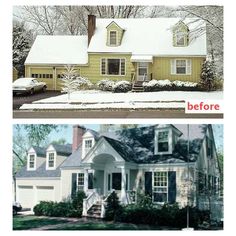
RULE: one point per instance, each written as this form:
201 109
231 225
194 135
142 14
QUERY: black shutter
171 187
73 184
148 183
90 180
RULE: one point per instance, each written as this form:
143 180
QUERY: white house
163 161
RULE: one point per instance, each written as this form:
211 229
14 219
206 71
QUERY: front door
142 71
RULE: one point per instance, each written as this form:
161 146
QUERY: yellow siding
14 73
161 69
114 27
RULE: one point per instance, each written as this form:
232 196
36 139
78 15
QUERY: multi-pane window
80 182
112 66
31 161
113 38
87 145
42 76
51 160
181 66
163 144
180 38
160 186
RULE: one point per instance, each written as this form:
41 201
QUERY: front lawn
30 222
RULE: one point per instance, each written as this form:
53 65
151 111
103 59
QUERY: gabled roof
41 152
58 50
39 172
74 159
63 150
147 36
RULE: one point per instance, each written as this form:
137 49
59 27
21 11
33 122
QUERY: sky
66 133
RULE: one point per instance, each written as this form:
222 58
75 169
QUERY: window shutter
148 183
73 184
173 67
122 66
103 66
171 187
189 67
90 180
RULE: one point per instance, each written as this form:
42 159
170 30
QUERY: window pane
112 37
160 197
113 66
181 70
103 67
163 136
122 66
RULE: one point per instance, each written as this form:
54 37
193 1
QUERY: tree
207 74
22 40
29 135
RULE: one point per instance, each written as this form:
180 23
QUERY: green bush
72 208
113 206
144 200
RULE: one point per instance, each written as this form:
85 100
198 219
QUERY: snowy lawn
93 99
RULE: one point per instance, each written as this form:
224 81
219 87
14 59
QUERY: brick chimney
78 132
91 27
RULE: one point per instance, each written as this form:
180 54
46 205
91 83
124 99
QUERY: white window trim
167 192
77 182
188 66
177 34
47 160
109 32
28 161
170 141
83 145
106 59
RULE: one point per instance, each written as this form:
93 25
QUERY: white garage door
45 193
26 196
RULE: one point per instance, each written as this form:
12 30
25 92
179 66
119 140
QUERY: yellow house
135 50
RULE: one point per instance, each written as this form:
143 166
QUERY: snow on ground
93 99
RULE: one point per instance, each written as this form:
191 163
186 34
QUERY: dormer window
163 141
180 35
113 38
51 160
180 38
31 161
88 145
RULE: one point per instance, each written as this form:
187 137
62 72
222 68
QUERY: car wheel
31 91
44 88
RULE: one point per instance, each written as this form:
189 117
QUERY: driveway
20 99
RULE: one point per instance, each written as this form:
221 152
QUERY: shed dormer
180 35
87 142
114 34
166 137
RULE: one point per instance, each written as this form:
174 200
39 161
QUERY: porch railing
131 196
89 201
104 204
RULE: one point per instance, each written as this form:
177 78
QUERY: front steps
137 86
95 210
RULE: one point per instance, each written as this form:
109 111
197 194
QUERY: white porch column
85 180
123 197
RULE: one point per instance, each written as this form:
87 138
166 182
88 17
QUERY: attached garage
45 193
26 196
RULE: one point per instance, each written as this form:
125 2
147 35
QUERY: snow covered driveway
94 99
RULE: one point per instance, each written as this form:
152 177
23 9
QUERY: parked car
16 207
28 85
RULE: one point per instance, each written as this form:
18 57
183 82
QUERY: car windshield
22 82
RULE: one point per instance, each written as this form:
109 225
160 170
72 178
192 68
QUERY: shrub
207 74
83 83
77 200
112 207
122 86
105 85
144 200
157 85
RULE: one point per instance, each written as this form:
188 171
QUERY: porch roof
141 58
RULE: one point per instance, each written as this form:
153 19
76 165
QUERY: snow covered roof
58 50
147 36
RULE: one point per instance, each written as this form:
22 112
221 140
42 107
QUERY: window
113 38
31 161
180 38
116 181
42 76
163 144
87 145
112 66
160 187
80 182
51 160
90 180
181 67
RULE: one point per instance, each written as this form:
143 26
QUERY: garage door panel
26 196
45 193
